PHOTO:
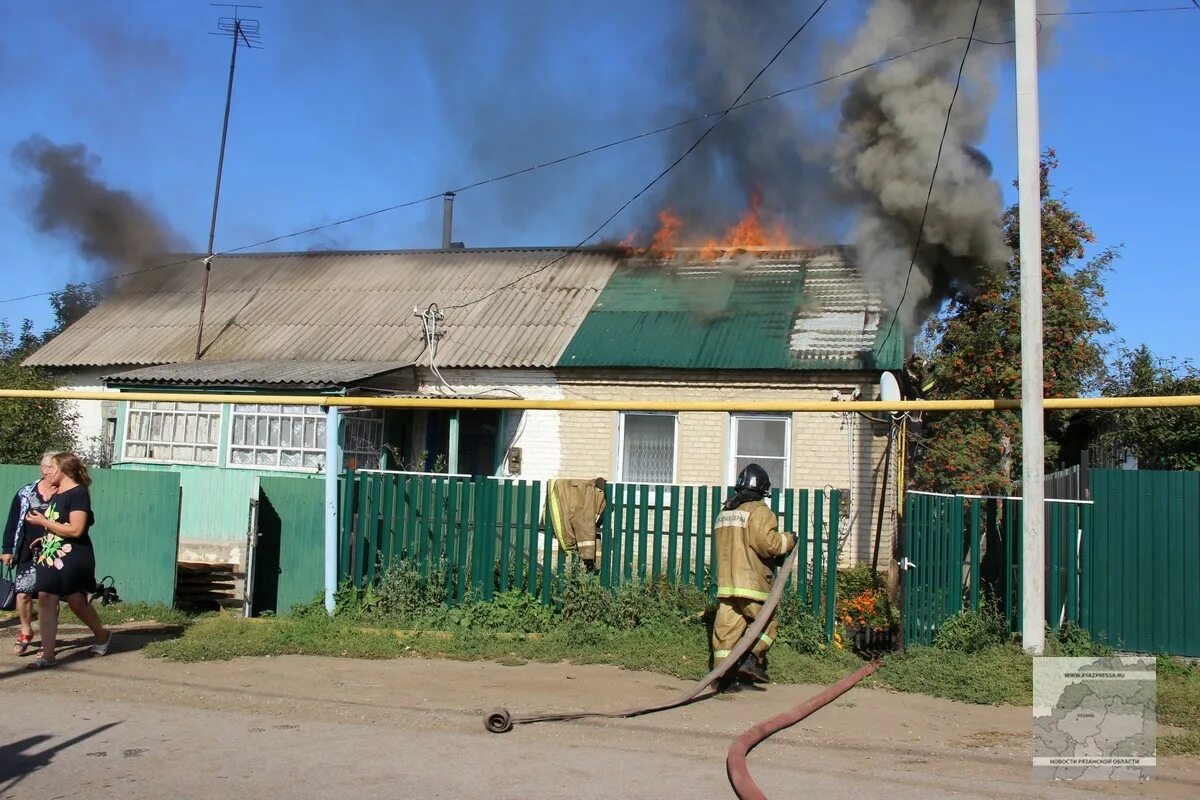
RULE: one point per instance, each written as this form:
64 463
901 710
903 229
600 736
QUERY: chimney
447 218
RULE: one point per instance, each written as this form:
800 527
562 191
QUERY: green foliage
1161 438
1073 641
798 628
998 674
584 600
856 580
971 632
978 347
28 428
1179 705
118 613
70 304
513 611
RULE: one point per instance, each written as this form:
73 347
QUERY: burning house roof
768 309
601 307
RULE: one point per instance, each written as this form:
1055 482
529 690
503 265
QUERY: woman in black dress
63 557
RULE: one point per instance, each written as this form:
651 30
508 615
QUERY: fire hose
735 763
502 720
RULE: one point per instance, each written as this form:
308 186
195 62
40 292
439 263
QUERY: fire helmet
753 479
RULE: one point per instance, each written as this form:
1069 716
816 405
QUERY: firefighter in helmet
576 508
748 545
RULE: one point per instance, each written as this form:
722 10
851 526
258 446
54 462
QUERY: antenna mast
243 33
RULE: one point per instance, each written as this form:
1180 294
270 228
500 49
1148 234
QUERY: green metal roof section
799 314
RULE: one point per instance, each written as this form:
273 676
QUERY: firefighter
576 507
748 545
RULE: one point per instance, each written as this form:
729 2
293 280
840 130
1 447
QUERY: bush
402 593
584 600
971 632
798 628
1072 640
514 611
856 580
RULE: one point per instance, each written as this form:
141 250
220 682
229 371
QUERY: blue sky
357 105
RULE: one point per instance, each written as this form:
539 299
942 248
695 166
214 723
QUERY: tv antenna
242 32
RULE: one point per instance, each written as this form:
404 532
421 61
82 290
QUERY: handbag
107 595
8 592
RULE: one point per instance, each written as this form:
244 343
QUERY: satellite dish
889 389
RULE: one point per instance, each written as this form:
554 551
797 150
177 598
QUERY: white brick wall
89 423
828 451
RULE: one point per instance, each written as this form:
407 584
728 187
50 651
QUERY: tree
28 428
978 352
70 304
1161 438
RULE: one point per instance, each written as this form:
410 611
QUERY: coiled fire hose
735 763
502 720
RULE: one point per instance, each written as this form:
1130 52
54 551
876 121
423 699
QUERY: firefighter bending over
575 509
748 543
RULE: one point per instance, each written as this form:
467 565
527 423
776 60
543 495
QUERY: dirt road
130 727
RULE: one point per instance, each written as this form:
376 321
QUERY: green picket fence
962 552
483 535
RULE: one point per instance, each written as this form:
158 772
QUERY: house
538 323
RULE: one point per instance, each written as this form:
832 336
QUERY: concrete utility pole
1033 445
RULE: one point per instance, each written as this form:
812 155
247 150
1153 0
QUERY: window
646 445
188 433
362 439
761 440
277 436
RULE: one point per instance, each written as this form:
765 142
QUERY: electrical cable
723 116
582 153
933 178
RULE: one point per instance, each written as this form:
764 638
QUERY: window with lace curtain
182 433
290 437
647 448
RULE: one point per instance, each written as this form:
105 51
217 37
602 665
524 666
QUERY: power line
724 115
579 154
1106 12
933 178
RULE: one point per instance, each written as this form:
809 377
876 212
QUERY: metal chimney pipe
447 218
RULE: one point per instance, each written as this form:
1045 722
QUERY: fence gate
963 552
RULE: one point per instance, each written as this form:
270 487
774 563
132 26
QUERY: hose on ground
735 763
502 720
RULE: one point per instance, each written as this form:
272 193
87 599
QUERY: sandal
43 663
24 640
102 649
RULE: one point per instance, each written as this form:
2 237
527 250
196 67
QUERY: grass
679 649
1179 705
119 613
997 675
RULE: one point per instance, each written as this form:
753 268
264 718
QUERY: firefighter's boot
753 670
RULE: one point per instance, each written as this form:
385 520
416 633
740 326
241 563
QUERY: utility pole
242 32
1033 445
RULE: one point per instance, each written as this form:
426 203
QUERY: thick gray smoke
771 147
892 119
111 227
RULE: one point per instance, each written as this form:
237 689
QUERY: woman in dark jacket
16 551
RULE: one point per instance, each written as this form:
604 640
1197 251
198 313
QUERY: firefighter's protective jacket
575 508
748 540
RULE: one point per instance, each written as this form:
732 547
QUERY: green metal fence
962 552
1141 565
483 535
289 554
136 534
